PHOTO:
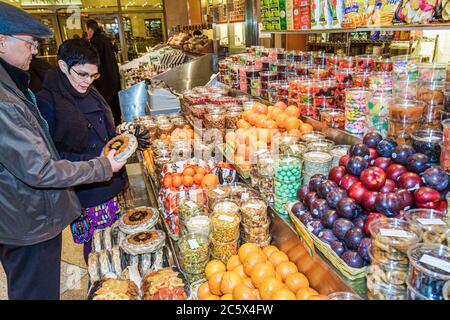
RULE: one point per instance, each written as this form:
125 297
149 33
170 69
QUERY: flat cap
16 21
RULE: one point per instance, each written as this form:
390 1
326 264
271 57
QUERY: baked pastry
144 242
139 216
112 289
124 145
144 237
163 284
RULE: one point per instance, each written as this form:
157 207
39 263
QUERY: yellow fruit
240 271
212 297
246 249
296 280
227 296
286 268
248 283
214 266
268 287
203 291
305 293
230 279
233 262
268 250
278 257
283 294
215 282
252 260
242 292
261 272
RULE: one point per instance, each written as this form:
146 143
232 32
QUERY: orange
278 277
271 124
278 257
252 260
293 111
203 291
212 297
318 297
260 272
240 271
296 280
246 249
167 182
291 123
260 108
306 127
296 133
214 266
198 178
200 170
268 287
215 282
177 181
248 283
233 262
188 172
210 180
280 120
242 124
281 105
245 114
242 292
230 280
188 181
286 268
227 296
305 293
283 294
252 118
268 250
276 111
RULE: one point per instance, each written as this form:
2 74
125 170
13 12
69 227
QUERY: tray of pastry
113 289
165 284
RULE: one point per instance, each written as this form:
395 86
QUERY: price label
193 244
254 206
436 262
395 233
219 191
226 218
433 222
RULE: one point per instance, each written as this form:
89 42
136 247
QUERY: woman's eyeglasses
85 75
33 43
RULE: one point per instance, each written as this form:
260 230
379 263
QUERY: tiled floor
74 278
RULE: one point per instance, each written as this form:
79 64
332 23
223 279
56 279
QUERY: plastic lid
432 259
138 219
317 156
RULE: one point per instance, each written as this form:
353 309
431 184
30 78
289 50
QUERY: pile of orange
184 134
256 274
193 175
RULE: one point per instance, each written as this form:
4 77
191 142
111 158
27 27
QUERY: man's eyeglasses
33 43
86 76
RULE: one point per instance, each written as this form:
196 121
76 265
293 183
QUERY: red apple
373 178
443 206
343 160
425 194
336 174
410 181
357 191
394 171
372 156
406 199
347 181
382 163
368 200
372 217
388 186
428 205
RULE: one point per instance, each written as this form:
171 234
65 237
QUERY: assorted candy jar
365 63
445 153
318 73
347 63
383 64
380 82
315 162
377 115
405 67
333 118
432 72
404 118
356 105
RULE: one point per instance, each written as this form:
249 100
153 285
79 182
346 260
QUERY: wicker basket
348 272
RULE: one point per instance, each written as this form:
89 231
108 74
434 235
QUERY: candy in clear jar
432 94
380 82
405 67
404 118
382 64
333 118
432 72
356 105
445 153
365 63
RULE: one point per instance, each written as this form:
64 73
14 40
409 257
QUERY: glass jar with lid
320 145
312 136
404 118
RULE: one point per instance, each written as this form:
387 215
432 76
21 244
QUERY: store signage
50 3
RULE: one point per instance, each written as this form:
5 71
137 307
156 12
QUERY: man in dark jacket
36 202
109 83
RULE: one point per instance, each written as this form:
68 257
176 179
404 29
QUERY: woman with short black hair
81 123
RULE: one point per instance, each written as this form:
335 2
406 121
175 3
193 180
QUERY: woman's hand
115 165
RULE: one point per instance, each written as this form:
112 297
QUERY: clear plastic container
312 136
391 239
194 253
337 152
333 118
446 291
404 118
265 186
254 212
226 206
429 269
432 94
380 82
405 67
321 145
223 250
365 63
356 106
432 71
406 89
445 154
316 162
320 73
379 291
197 224
413 294
288 168
217 193
344 296
427 141
225 226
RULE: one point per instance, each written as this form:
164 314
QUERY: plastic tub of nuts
223 250
225 226
382 291
429 269
226 206
217 193
435 229
254 212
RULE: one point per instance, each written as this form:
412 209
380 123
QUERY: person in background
109 83
81 123
76 36
38 70
36 199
